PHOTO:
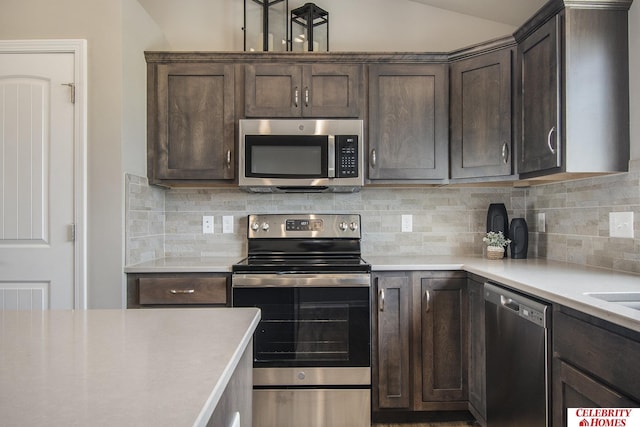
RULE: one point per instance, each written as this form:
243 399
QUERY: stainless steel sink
627 299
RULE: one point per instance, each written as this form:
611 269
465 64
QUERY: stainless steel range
312 349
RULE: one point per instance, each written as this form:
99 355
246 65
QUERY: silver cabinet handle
296 96
306 96
228 158
373 158
549 141
381 299
505 153
427 296
182 291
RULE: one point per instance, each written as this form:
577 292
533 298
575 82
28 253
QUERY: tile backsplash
446 220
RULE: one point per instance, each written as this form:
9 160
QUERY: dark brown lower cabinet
392 331
595 365
420 342
477 350
440 355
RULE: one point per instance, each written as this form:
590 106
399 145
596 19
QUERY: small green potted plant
496 243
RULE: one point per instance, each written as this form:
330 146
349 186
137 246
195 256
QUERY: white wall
355 25
116 113
100 23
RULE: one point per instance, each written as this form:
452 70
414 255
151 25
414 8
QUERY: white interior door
37 181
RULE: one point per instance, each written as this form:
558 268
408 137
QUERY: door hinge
72 232
72 86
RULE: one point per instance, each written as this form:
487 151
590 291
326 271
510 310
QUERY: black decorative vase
497 220
519 235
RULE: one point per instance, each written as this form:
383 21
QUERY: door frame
78 47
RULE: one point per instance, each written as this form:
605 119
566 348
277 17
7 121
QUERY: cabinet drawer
608 356
183 290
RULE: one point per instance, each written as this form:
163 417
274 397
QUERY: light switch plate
542 222
621 224
227 224
407 223
207 224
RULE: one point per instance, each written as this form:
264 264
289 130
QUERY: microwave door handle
331 169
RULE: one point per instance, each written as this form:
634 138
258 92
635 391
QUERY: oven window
269 156
309 326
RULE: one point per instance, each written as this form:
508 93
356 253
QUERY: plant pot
495 252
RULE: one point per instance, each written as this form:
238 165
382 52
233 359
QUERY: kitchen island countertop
161 367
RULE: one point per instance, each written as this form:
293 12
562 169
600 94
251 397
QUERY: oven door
310 321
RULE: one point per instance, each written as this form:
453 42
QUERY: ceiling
512 12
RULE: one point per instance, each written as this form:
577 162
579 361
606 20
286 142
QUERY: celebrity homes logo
603 417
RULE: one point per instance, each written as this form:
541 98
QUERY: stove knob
255 226
343 226
265 226
353 226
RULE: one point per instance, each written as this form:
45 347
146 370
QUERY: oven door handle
300 280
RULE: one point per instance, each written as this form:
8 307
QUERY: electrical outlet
207 224
227 224
542 222
621 224
407 223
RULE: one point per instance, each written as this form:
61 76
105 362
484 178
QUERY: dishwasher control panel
524 307
532 315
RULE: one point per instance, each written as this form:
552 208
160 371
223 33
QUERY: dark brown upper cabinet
307 90
481 125
408 122
191 122
573 94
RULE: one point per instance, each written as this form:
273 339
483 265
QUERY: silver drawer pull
381 300
296 96
373 158
182 291
427 296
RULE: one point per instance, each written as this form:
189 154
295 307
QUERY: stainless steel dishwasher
517 352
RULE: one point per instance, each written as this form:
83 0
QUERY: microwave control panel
346 156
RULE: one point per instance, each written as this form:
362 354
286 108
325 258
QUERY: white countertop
558 282
185 265
160 367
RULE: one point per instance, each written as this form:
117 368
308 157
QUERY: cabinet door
574 389
444 322
408 122
273 90
541 136
481 115
195 122
391 376
331 90
477 350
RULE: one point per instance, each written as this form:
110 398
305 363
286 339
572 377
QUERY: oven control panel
304 225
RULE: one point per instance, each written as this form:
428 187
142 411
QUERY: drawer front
179 290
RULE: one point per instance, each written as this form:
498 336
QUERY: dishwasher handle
509 303
526 308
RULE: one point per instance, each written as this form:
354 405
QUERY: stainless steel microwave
301 155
